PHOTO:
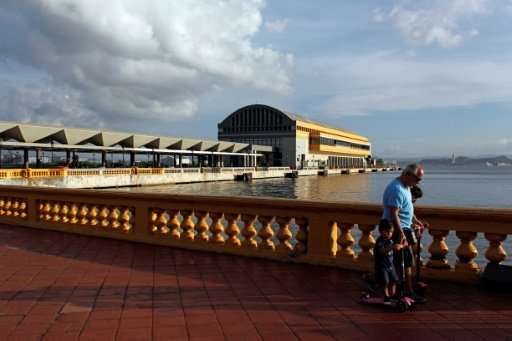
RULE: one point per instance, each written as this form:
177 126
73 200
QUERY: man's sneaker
417 298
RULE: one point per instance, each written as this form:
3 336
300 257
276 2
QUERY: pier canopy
27 137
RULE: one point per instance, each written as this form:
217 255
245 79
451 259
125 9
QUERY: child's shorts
385 276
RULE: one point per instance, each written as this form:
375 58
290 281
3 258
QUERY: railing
148 171
83 172
173 170
282 229
117 171
191 170
12 173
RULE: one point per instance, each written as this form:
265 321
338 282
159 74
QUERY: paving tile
64 286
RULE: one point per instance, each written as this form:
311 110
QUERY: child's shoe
387 300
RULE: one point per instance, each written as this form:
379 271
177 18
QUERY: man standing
399 211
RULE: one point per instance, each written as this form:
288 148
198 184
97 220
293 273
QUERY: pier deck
58 286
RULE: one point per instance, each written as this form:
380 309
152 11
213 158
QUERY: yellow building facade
297 141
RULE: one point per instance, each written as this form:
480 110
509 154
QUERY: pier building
25 145
296 141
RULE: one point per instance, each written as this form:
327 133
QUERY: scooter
419 286
402 304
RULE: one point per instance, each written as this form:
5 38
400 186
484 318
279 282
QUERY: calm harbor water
445 186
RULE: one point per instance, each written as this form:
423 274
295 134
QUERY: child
385 273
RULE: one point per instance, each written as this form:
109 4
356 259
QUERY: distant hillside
463 160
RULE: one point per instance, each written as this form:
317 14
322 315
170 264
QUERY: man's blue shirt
398 195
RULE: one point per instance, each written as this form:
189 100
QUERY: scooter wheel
402 306
364 296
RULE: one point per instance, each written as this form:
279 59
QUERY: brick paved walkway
56 286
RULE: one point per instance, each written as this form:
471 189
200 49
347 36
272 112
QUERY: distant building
296 141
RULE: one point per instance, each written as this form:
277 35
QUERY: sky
418 78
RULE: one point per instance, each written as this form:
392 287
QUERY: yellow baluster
174 225
438 250
55 212
266 233
202 227
495 253
126 220
23 209
8 207
466 252
162 221
301 236
46 211
103 216
366 242
153 218
82 214
64 211
249 231
73 214
15 208
217 228
93 215
114 218
345 242
284 235
233 230
2 206
187 225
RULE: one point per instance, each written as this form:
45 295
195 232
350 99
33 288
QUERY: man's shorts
385 276
407 252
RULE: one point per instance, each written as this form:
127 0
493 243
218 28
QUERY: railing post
322 236
141 219
32 210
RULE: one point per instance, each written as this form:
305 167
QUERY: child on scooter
385 273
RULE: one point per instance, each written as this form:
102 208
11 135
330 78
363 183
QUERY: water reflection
332 188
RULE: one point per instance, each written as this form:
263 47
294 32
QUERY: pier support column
132 159
38 158
25 158
157 160
181 160
103 158
68 157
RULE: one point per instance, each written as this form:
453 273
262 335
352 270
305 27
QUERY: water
442 186
445 186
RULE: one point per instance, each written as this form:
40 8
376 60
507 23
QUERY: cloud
505 141
139 60
442 22
278 26
390 82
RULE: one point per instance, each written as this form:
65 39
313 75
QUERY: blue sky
419 78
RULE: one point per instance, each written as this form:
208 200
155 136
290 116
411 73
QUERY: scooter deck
402 304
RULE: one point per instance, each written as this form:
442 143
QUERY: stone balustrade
281 229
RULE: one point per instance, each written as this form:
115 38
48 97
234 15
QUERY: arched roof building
297 141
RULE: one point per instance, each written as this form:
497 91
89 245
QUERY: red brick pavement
56 286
